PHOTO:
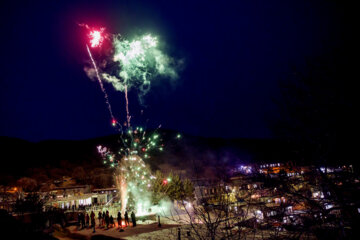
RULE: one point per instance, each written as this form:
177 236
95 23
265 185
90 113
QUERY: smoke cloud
139 63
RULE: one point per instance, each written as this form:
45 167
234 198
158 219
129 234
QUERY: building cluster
62 195
272 193
79 197
281 193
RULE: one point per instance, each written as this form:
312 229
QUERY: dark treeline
56 158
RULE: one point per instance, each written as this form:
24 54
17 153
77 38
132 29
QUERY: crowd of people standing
105 220
84 220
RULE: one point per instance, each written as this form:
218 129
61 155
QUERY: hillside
189 151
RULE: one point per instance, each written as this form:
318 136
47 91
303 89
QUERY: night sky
234 54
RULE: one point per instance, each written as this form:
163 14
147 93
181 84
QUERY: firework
128 117
96 37
135 142
101 86
140 62
134 64
133 176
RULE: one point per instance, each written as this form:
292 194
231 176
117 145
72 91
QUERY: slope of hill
189 151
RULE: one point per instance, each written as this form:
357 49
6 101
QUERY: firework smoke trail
101 84
128 117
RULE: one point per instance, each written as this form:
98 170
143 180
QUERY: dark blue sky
234 51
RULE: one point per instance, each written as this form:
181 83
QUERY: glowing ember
96 38
113 122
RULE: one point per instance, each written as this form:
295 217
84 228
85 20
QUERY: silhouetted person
92 216
103 218
126 216
107 219
79 219
111 221
133 218
82 220
100 218
87 219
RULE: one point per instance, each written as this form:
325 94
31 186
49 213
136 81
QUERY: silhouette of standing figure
133 218
126 218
